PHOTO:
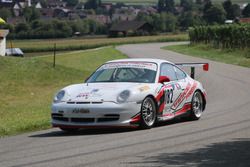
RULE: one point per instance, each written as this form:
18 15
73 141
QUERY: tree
215 14
169 6
236 11
170 22
246 11
208 4
21 27
5 13
71 2
93 4
232 10
31 13
161 5
186 19
187 5
166 6
227 5
199 2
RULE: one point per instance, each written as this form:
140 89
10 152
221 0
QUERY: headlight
59 96
123 96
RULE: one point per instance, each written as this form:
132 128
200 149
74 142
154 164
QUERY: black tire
148 113
69 130
196 106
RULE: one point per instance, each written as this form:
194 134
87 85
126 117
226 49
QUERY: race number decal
169 93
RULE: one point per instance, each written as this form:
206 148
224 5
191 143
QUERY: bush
223 36
55 29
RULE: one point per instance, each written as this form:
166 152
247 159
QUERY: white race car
130 93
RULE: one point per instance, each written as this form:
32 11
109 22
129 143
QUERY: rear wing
205 67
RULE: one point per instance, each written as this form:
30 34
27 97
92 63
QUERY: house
244 20
147 10
99 18
107 6
127 27
123 17
47 12
56 4
61 12
16 5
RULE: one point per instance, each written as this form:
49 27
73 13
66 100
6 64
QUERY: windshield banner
142 65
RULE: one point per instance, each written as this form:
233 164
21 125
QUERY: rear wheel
148 113
197 106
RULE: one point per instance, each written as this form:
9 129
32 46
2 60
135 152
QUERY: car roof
158 61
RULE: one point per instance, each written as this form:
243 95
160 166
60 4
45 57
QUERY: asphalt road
220 138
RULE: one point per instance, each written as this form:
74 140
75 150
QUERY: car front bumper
104 114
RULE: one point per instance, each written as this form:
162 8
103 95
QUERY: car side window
180 74
169 71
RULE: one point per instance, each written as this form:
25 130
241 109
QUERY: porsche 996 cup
130 93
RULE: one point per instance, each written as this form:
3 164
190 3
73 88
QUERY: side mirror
163 79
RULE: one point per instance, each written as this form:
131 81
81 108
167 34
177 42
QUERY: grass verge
46 45
236 57
28 85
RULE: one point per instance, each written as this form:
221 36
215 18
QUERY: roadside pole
54 57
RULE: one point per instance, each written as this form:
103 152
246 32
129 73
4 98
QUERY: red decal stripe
184 109
136 119
161 93
161 108
181 97
192 90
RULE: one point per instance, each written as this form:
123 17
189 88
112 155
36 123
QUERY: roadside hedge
222 36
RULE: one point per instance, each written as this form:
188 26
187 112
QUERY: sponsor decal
144 88
178 86
86 95
168 115
143 65
185 94
80 111
182 96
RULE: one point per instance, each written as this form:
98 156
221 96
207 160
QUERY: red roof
245 20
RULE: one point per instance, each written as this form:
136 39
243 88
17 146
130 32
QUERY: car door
172 89
182 86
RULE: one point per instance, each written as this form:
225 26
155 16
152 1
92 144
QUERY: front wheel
197 106
148 113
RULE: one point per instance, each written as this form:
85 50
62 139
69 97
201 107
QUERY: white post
3 34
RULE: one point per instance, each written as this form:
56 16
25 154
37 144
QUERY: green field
236 57
27 85
83 43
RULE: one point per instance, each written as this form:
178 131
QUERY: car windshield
141 72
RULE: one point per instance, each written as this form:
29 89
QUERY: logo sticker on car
80 111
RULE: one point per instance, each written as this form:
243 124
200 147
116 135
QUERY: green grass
45 45
236 57
27 86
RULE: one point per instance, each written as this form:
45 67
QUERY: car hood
99 92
